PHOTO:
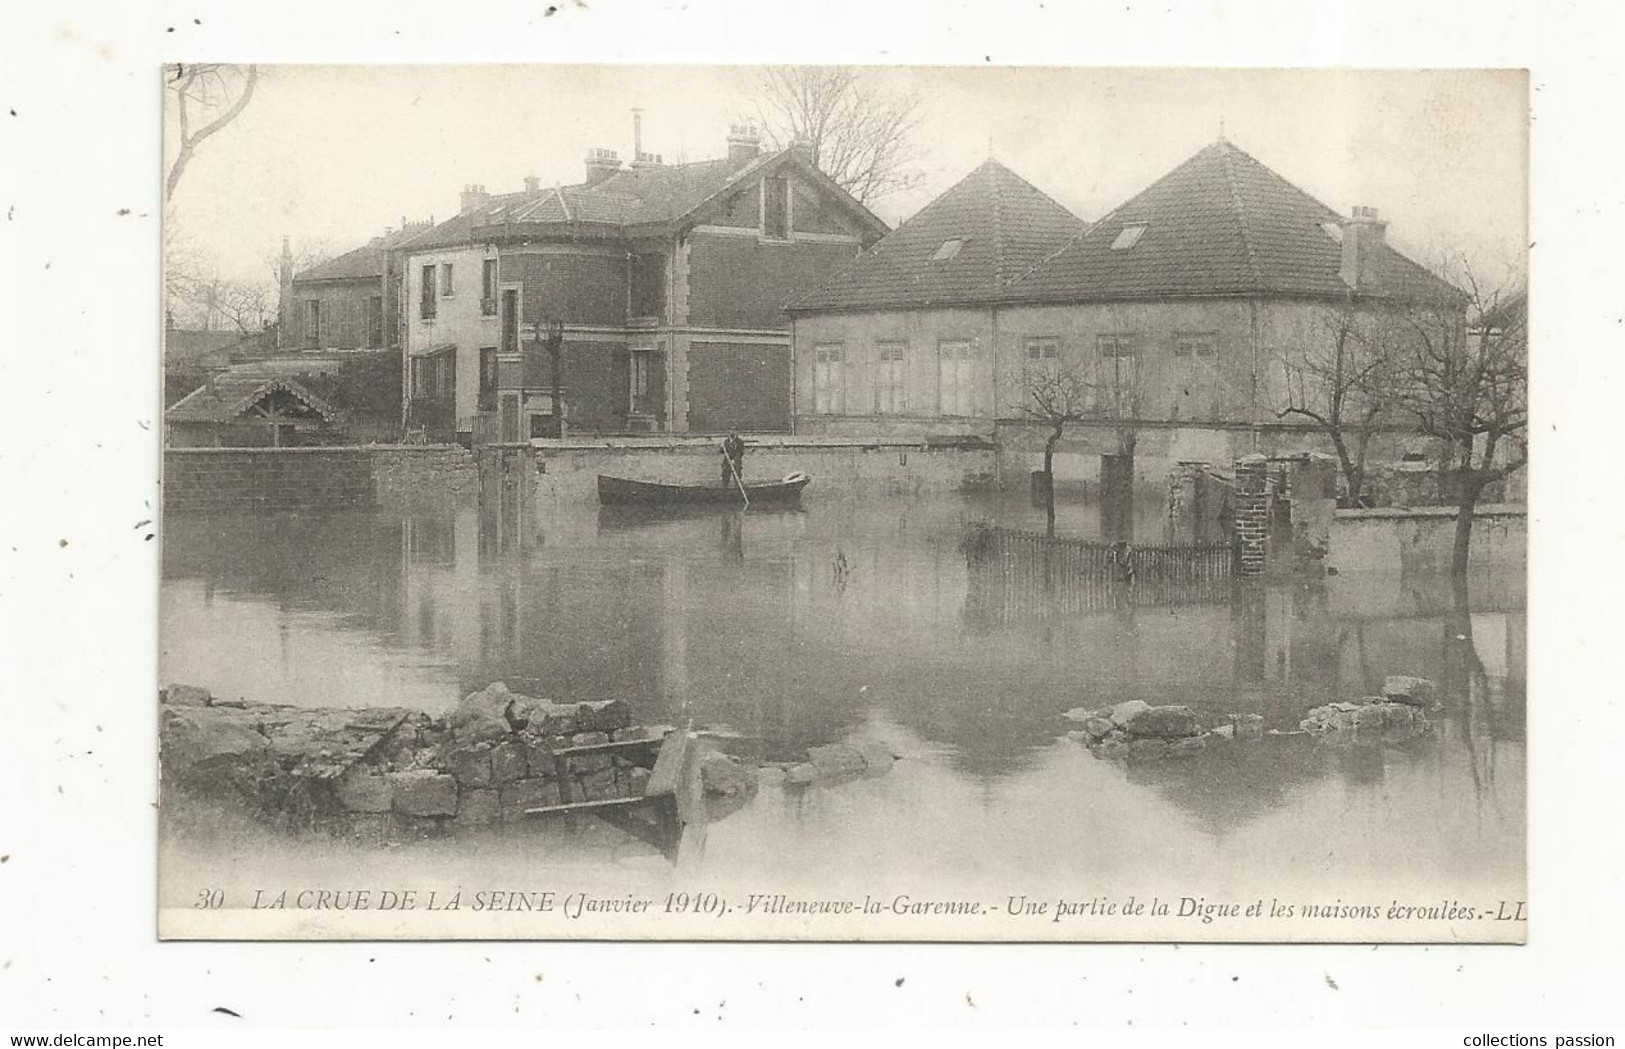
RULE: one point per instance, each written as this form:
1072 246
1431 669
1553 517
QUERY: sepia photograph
843 503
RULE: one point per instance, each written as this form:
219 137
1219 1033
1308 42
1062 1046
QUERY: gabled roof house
667 282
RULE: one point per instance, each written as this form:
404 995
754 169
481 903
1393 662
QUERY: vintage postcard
843 503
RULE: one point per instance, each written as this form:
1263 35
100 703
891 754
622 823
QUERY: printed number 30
209 899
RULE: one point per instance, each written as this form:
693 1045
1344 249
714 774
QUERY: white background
79 385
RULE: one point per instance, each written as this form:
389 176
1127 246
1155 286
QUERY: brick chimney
648 160
1363 233
532 184
803 147
601 164
474 197
744 143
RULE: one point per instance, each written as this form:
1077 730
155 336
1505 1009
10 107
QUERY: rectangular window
488 378
776 208
1043 348
445 278
426 306
638 380
433 378
313 323
375 321
1119 373
488 287
889 396
956 387
829 379
510 321
1196 344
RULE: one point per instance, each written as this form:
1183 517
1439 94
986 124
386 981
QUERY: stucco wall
1419 539
921 332
344 324
458 319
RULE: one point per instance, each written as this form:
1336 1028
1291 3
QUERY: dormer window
1128 237
948 250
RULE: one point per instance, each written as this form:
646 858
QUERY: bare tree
1341 380
1059 392
203 98
858 132
1468 386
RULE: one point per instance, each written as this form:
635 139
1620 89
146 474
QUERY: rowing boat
621 491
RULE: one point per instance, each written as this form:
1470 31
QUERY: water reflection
851 618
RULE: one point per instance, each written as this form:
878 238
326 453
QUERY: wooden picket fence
1021 575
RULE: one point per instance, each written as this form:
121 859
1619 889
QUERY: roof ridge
1240 215
997 191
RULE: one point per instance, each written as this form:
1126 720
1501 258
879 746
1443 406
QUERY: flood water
859 619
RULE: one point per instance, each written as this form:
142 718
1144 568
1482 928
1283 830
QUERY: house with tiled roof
246 411
666 282
349 302
901 340
1177 308
1187 304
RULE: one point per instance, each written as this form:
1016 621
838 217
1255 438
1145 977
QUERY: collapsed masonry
387 772
1137 731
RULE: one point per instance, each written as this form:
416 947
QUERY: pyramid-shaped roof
1003 224
1220 224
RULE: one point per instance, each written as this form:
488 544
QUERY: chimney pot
474 198
744 143
601 164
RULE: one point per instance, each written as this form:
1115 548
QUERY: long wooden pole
735 471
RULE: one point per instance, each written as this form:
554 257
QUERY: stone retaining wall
567 471
1420 539
273 479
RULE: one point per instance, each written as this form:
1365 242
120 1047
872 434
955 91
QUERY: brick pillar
1252 513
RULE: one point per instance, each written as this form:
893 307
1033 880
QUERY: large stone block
1123 713
186 696
1165 722
481 716
470 765
508 761
598 785
1248 726
513 799
198 739
364 790
720 774
477 806
424 792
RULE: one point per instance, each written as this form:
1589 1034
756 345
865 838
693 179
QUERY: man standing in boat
733 460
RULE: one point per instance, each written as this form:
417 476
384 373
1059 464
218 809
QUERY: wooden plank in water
600 748
585 806
669 764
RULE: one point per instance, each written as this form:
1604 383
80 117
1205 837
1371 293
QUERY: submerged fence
1023 575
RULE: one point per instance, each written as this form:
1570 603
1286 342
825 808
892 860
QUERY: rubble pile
1137 731
490 759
